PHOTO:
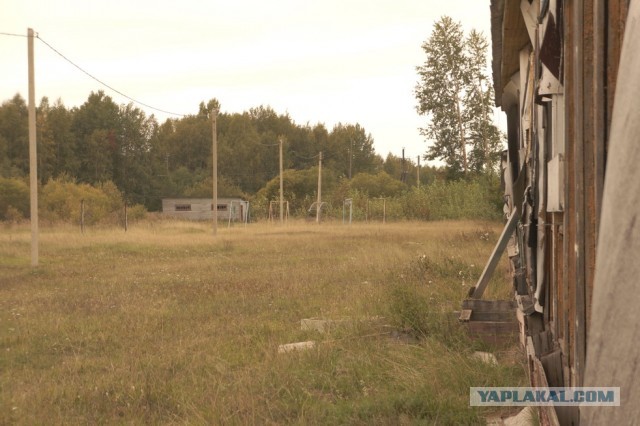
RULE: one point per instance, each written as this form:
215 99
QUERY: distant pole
214 163
350 157
366 216
82 216
33 155
418 178
319 203
384 210
126 218
280 140
403 177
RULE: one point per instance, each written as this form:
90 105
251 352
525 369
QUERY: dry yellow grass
168 324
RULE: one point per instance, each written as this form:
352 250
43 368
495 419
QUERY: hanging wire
132 99
303 157
13 34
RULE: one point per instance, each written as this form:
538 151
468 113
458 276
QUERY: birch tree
454 93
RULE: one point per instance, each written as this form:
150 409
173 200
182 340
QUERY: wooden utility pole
319 202
33 154
418 172
214 163
280 140
350 157
403 176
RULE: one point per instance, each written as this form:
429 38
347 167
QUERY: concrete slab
298 346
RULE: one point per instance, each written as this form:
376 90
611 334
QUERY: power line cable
105 84
132 99
295 154
13 34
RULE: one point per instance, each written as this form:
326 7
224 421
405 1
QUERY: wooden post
280 140
126 218
33 155
350 157
319 203
82 216
214 163
418 172
384 210
366 216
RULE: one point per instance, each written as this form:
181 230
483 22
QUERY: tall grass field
168 324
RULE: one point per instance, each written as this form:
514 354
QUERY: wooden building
234 209
555 73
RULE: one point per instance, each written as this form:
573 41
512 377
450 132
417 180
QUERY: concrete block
298 346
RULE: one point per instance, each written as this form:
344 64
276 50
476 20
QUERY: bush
62 199
378 185
478 198
14 199
136 212
475 199
413 311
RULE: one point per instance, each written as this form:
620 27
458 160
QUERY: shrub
422 316
136 212
62 199
475 199
378 185
14 199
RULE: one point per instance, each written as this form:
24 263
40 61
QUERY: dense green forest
111 153
101 141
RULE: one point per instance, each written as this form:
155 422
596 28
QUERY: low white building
235 209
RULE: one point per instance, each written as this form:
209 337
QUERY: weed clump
418 306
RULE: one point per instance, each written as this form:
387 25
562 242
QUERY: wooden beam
495 256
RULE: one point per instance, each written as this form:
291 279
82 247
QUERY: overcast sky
328 61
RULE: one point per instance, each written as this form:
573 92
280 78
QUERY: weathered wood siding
558 98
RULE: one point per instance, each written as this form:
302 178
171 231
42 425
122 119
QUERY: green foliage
101 141
300 189
14 199
456 95
421 310
14 142
62 198
380 197
204 189
474 199
379 185
350 151
136 212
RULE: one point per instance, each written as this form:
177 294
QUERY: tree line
102 141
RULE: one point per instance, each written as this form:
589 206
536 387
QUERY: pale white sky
329 61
